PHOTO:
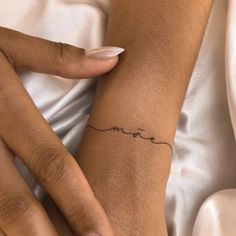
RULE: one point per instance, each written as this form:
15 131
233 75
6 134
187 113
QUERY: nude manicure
104 52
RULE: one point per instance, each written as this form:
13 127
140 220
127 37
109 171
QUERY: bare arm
126 149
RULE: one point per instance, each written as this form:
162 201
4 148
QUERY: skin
25 133
146 90
129 175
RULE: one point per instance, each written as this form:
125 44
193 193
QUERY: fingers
57 218
20 212
44 56
45 156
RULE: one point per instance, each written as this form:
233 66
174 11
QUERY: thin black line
134 134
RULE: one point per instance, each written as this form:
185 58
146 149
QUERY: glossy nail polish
104 52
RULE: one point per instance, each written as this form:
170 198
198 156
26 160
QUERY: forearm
162 40
145 91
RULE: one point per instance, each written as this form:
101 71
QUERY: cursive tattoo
136 134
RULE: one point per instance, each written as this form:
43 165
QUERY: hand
24 132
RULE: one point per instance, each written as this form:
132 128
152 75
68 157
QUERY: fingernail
104 52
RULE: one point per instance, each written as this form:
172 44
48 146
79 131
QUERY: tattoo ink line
133 134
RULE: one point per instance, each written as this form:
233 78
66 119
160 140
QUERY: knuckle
80 211
14 205
76 216
85 219
48 164
58 55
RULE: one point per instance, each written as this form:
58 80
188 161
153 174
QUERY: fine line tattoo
136 134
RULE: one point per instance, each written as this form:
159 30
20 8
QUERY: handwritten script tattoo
136 134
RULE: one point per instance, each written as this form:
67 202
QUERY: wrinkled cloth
204 159
217 215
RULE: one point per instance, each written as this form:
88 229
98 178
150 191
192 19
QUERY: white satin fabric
204 160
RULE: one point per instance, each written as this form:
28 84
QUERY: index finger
26 132
45 56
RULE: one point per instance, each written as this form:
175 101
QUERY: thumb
26 52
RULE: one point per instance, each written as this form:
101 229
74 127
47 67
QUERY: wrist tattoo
136 134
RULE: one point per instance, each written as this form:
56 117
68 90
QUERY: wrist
129 177
120 154
140 122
